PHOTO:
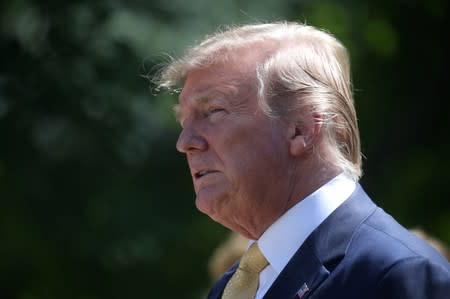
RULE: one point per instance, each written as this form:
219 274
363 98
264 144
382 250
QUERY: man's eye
215 113
216 110
212 111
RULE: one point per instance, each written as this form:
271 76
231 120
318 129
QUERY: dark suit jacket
359 252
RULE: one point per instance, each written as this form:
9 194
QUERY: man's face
238 157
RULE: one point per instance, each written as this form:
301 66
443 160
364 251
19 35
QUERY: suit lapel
217 290
323 250
292 278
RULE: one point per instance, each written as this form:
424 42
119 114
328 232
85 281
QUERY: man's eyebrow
177 107
203 97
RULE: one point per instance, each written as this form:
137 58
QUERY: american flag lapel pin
303 290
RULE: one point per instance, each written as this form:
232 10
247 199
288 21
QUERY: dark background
96 202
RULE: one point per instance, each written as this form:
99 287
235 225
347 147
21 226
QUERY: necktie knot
253 260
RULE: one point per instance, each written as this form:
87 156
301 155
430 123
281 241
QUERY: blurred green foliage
95 201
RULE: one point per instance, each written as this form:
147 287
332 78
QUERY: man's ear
297 142
304 135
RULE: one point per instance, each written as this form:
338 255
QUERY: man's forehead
203 84
236 65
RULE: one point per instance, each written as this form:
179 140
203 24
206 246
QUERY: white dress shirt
280 242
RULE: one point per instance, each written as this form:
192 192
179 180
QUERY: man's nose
190 141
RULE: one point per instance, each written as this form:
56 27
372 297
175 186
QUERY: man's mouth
202 173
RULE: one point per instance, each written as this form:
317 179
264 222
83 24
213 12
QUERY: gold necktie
244 282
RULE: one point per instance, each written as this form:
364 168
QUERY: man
272 143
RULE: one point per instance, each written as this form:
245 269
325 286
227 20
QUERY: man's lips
201 173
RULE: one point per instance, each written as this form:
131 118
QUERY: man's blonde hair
302 68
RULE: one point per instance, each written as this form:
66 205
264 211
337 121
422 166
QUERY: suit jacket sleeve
415 278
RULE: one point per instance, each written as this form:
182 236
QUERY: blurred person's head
268 117
226 254
433 241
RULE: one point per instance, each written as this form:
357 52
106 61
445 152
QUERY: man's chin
205 205
208 204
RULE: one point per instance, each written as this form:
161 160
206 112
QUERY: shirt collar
283 238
